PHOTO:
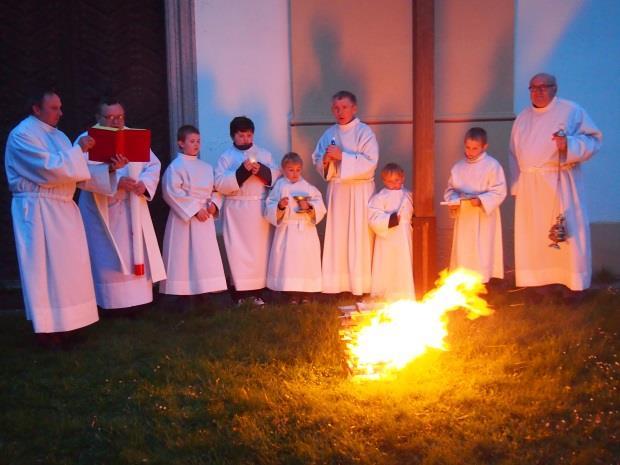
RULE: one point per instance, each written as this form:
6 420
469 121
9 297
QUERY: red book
135 144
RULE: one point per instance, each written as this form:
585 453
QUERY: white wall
243 65
579 42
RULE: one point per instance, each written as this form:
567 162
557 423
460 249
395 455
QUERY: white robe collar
350 125
551 105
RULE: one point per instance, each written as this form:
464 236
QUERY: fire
382 341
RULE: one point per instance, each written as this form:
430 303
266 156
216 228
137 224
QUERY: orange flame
383 341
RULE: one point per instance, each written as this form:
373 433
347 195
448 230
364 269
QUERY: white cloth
295 258
191 254
539 199
107 220
477 236
392 261
247 234
347 251
42 171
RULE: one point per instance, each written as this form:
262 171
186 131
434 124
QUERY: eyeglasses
541 88
114 118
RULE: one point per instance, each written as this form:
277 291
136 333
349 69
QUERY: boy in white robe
107 220
243 175
346 156
191 254
389 214
42 172
476 189
294 207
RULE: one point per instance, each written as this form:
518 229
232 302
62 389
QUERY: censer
557 232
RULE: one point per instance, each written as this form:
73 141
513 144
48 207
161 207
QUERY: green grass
533 384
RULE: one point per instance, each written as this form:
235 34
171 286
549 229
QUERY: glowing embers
382 340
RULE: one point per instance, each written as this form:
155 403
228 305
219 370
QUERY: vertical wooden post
424 222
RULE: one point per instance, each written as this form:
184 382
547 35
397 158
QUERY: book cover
135 144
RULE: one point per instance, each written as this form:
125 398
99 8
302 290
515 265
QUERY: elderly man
107 221
42 171
549 142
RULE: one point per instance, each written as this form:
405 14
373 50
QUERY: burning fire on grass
384 339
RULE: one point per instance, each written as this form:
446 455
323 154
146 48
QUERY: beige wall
474 43
361 46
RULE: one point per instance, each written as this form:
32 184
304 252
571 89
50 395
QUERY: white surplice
295 258
392 261
107 220
347 251
42 171
477 235
540 198
247 234
191 254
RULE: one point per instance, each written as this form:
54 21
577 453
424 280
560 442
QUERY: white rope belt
47 195
548 168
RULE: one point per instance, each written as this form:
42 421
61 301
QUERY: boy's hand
202 214
304 205
283 203
333 152
255 167
475 201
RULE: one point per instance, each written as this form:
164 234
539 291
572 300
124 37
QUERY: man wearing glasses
107 221
550 140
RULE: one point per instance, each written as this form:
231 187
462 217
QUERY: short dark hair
38 94
293 158
241 124
393 168
107 100
478 134
185 131
345 94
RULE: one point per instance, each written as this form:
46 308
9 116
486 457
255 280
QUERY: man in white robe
346 156
477 187
549 142
42 172
243 175
107 220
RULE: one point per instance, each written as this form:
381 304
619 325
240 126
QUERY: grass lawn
530 384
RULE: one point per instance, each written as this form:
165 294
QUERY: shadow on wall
215 137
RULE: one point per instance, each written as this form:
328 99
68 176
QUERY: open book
135 144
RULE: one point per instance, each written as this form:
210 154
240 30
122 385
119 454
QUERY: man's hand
126 183
86 143
139 188
283 203
560 143
248 164
117 162
333 152
202 214
212 209
475 201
